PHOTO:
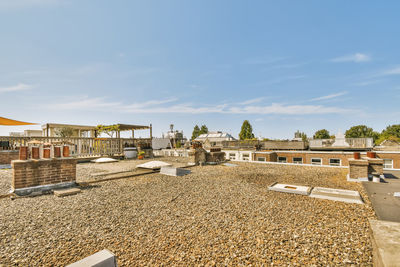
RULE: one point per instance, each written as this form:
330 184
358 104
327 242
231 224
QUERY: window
298 160
334 162
282 159
261 159
245 156
232 156
388 163
316 161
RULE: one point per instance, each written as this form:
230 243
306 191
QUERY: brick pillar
358 168
57 152
23 153
46 153
65 151
375 165
35 152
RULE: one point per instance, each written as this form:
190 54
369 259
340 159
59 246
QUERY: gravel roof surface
215 215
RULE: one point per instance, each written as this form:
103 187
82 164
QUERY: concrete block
102 258
104 160
66 192
347 196
229 164
385 237
153 165
294 189
172 171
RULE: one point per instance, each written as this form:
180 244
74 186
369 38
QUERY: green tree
392 132
247 131
196 132
361 131
64 132
322 134
203 129
107 129
301 135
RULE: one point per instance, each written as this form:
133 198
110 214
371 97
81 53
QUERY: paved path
386 206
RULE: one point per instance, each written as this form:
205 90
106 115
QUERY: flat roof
127 127
122 127
59 125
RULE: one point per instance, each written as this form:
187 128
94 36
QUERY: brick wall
28 173
270 156
375 165
325 157
358 168
215 156
6 156
393 156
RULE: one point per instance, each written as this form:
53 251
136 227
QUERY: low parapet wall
6 156
34 173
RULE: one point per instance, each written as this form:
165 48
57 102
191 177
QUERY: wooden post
151 131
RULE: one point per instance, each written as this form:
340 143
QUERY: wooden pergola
132 127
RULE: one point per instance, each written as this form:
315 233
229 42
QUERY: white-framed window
282 159
261 159
316 161
246 156
388 163
298 160
232 156
335 162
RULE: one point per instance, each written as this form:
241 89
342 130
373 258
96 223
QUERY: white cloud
326 97
15 88
280 109
357 57
393 71
367 83
252 101
167 106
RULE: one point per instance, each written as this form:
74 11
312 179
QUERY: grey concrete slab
66 192
153 165
385 204
102 258
288 188
347 196
385 237
172 171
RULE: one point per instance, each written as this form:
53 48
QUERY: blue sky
283 65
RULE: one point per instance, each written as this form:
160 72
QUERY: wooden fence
79 146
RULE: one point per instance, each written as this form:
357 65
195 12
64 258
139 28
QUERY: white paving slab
342 195
153 165
229 165
104 160
288 188
172 171
102 258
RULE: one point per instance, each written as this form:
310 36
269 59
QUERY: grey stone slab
172 171
347 196
66 192
104 160
294 189
153 165
385 204
229 164
385 237
102 258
